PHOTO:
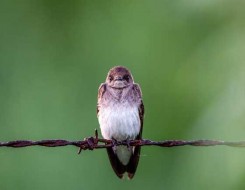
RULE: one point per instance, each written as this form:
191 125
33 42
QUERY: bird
120 112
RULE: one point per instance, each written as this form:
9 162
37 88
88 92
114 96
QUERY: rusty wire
97 143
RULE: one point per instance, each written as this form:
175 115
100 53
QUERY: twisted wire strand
97 143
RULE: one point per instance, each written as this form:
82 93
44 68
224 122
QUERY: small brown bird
120 112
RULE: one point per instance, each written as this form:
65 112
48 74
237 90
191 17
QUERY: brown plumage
120 111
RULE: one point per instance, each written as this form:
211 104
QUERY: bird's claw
128 144
114 143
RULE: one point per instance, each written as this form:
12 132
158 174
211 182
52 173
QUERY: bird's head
119 77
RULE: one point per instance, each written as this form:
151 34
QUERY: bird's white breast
119 121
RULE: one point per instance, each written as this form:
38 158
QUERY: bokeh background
188 57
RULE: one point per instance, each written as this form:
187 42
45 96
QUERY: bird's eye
110 78
126 77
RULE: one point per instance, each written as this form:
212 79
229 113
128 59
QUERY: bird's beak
118 78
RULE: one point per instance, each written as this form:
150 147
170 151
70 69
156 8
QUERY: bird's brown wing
134 160
117 166
101 92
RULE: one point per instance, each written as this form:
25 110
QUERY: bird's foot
114 143
128 144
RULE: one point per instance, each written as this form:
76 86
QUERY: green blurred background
188 57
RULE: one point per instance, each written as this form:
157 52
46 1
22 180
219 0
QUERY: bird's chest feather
119 121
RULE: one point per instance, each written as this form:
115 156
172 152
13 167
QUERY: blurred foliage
188 57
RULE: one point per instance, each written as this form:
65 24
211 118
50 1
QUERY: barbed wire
98 143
